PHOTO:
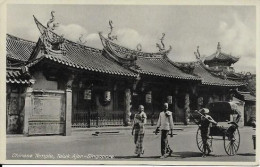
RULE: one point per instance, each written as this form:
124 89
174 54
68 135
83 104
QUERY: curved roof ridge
208 68
137 53
67 40
82 46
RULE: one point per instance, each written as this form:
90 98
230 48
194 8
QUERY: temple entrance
97 111
81 110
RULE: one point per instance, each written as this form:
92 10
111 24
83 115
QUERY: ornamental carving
161 46
110 36
53 43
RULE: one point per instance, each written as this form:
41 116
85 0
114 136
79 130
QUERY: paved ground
82 145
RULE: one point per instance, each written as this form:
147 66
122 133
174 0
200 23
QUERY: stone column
187 109
28 106
68 107
127 107
68 111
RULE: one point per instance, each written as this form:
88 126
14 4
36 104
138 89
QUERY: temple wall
43 83
15 109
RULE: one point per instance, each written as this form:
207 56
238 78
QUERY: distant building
221 60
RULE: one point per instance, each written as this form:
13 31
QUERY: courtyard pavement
116 143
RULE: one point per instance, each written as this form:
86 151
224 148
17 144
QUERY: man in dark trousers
205 124
165 122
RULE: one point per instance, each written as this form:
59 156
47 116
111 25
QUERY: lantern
169 99
148 97
87 94
107 96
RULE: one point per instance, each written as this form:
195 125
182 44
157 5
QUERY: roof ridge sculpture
187 67
42 28
200 61
140 54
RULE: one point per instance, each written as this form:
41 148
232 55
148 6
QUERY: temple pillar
127 107
68 106
187 109
68 112
28 106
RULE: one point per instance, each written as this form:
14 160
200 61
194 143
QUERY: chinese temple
54 84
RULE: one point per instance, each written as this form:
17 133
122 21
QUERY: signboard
107 96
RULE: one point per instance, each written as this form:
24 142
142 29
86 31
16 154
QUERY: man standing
138 128
165 121
205 124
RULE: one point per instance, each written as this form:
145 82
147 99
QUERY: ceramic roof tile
209 79
18 49
162 67
15 76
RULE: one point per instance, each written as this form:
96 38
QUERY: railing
84 119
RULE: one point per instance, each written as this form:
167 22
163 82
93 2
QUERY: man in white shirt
165 122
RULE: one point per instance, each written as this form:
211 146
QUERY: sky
185 27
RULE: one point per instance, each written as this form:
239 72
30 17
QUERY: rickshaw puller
205 124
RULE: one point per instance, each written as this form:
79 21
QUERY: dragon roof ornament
53 43
129 54
198 57
109 35
161 46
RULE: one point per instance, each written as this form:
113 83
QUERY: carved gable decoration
54 44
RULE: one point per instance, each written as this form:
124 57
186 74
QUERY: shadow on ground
247 154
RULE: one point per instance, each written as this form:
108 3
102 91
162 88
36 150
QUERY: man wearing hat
205 123
165 122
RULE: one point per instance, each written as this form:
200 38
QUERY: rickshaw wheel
231 145
200 143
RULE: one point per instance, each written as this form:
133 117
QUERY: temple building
54 84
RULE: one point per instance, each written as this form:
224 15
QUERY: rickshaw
227 115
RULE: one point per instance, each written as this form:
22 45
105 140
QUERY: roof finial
139 47
54 25
162 46
197 54
219 47
111 29
80 41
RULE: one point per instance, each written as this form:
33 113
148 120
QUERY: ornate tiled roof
211 78
83 57
162 67
155 64
129 54
16 76
18 49
219 56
